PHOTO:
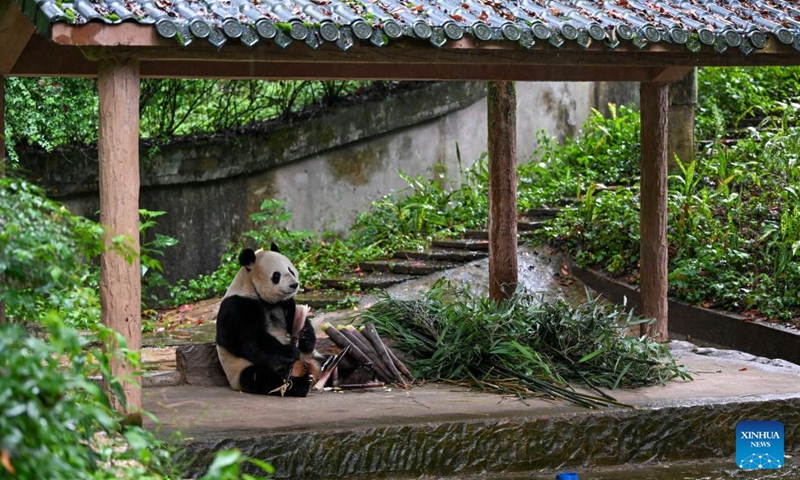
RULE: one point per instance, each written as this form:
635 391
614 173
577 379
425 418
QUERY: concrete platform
447 430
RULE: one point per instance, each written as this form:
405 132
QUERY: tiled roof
720 25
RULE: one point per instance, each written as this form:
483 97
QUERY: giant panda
254 328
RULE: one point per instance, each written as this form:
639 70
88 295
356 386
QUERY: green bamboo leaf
590 356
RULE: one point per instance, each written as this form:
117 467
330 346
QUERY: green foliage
733 97
45 254
424 210
521 345
53 112
606 152
602 230
733 222
55 422
151 250
49 112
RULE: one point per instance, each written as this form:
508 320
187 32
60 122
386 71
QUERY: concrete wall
327 168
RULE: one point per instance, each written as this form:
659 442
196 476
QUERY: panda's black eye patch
292 272
276 277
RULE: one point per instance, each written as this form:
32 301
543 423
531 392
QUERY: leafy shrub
45 255
733 226
55 422
732 97
424 210
53 112
606 152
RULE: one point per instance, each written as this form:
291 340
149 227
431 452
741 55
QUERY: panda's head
269 276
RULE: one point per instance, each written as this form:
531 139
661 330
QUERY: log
120 273
653 215
502 121
198 364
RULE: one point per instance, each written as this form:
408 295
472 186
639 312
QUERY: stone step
321 299
366 281
409 267
462 256
541 212
476 234
462 244
526 225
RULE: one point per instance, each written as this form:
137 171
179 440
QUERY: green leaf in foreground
523 346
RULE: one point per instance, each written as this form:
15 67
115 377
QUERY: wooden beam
653 215
411 71
502 122
127 34
44 60
120 281
15 32
670 75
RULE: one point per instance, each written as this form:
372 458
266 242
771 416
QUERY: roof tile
717 24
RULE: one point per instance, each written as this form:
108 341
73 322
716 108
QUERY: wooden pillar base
120 277
502 119
653 221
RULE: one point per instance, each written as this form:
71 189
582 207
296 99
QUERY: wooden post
502 119
653 216
2 161
120 277
2 125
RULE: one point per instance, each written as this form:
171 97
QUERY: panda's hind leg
259 379
262 380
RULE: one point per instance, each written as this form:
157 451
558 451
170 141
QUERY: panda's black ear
247 257
274 247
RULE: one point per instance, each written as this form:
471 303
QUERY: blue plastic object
567 476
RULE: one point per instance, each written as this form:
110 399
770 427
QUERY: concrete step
366 281
408 267
461 244
462 256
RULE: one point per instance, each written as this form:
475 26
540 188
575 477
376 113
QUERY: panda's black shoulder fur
242 329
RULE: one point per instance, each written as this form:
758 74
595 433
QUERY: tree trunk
120 274
653 216
502 119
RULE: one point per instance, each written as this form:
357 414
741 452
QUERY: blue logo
759 445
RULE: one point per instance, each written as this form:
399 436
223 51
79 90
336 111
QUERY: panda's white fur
254 326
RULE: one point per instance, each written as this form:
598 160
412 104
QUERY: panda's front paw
288 354
308 340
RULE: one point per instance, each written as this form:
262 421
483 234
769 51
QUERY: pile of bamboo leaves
523 346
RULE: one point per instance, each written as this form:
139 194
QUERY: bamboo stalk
349 386
355 336
380 347
343 342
